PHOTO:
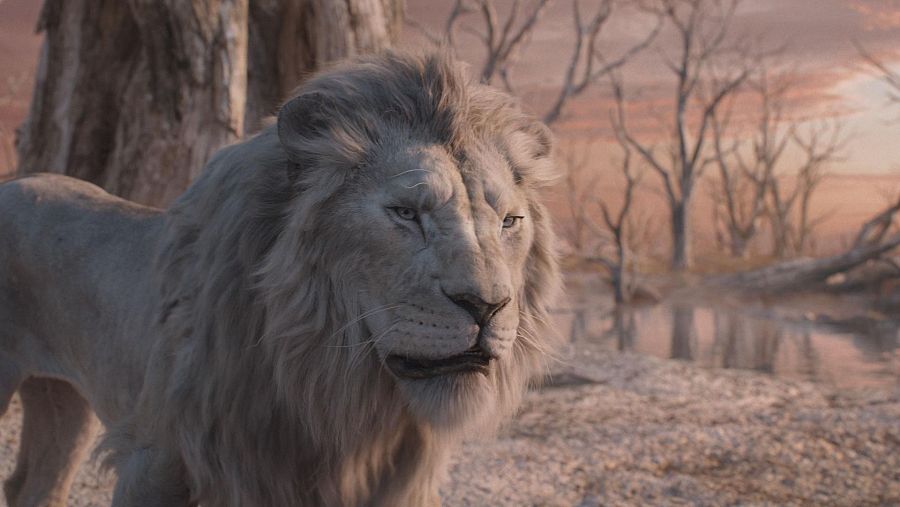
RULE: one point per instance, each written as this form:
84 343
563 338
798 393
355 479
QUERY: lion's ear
314 131
530 148
543 139
300 120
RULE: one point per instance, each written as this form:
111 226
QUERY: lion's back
59 219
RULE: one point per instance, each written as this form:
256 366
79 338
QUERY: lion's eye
405 213
511 220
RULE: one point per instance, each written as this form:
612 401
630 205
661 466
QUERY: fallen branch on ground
872 242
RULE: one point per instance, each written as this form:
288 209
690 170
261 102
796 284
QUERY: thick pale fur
234 346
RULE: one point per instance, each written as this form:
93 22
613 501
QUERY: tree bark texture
136 95
290 39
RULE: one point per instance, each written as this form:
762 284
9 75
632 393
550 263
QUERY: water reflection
844 354
683 335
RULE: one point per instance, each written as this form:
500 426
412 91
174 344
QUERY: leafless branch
448 38
888 75
503 39
587 63
874 230
504 36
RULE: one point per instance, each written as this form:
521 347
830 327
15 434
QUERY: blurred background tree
136 95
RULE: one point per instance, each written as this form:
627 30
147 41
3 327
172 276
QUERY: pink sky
819 35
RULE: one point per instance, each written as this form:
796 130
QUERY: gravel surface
623 429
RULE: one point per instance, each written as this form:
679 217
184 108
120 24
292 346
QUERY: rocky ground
614 429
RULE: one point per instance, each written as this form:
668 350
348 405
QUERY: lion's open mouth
472 360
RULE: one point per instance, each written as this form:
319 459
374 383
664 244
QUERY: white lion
316 321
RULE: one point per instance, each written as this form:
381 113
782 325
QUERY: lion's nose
480 310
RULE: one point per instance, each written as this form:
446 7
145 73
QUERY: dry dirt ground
614 429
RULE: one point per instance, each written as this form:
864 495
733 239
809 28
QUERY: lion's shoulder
56 189
67 207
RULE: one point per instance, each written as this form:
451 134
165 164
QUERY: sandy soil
614 429
633 430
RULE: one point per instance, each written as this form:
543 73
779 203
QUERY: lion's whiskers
417 170
368 345
533 341
369 313
541 320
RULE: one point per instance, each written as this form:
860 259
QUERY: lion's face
433 223
447 244
438 248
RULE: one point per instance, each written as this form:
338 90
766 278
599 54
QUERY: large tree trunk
290 39
136 95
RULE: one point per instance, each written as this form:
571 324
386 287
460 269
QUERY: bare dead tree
739 194
505 37
747 165
620 265
579 189
820 147
618 241
135 95
617 223
701 86
790 207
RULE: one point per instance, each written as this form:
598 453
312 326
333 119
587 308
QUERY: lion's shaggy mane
260 374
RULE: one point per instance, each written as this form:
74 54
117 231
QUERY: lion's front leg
57 429
151 478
